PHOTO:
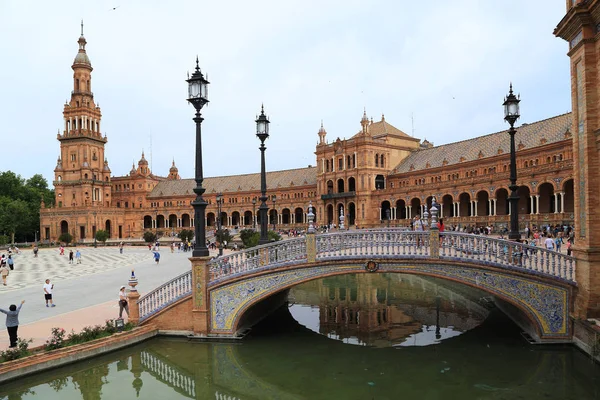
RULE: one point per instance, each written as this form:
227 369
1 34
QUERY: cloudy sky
438 69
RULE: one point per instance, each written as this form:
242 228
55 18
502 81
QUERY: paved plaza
85 294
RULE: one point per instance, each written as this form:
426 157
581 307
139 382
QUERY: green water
352 337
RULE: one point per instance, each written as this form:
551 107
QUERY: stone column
532 205
458 209
562 202
475 208
132 298
380 216
200 295
555 203
537 203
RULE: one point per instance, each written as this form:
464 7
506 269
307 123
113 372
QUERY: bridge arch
548 318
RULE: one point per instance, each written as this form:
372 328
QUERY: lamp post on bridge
254 213
219 224
198 97
274 213
262 132
511 115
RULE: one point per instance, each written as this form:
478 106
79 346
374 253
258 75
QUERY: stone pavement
85 294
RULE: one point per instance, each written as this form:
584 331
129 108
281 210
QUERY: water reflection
387 310
284 359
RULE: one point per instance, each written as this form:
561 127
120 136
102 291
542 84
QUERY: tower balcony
82 92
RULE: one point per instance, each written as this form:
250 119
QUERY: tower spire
82 27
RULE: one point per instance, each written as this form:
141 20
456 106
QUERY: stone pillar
380 215
409 212
475 208
537 203
132 298
555 203
562 202
532 205
442 210
200 295
458 209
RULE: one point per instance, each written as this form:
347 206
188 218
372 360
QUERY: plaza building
378 177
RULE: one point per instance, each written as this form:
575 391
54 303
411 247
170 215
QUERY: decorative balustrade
291 251
165 295
506 254
391 243
169 375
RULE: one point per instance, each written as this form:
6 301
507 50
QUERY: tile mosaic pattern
547 304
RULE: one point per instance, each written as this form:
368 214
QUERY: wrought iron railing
164 295
506 254
381 243
266 256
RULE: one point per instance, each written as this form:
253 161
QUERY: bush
186 235
22 350
102 236
250 237
56 340
149 237
65 237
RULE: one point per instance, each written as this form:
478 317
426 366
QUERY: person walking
11 262
123 304
70 256
35 251
4 271
78 256
48 289
549 243
157 257
12 322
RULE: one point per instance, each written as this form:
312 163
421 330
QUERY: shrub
149 237
250 237
22 350
186 235
66 237
56 340
102 236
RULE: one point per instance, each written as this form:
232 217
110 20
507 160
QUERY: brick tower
82 175
579 28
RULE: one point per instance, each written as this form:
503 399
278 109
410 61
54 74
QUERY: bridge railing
165 372
384 242
164 295
265 256
505 253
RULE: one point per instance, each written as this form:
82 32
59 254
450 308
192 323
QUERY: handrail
381 242
506 254
164 295
264 256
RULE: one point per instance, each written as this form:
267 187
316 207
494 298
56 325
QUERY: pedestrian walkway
30 270
85 294
40 331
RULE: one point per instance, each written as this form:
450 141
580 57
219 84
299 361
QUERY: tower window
73 157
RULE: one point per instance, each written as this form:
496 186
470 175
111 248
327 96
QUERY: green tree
20 205
149 237
250 237
102 236
65 237
223 235
186 235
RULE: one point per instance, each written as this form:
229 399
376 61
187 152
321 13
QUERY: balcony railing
330 196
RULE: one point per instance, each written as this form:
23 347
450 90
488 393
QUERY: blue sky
438 66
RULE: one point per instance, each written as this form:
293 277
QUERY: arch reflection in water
383 310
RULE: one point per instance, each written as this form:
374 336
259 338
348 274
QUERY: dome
173 168
82 58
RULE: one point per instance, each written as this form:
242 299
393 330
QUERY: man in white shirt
48 287
549 243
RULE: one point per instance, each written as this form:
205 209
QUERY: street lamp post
254 213
198 97
262 132
219 224
274 213
511 115
95 229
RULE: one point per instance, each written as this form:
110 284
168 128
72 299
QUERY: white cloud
446 63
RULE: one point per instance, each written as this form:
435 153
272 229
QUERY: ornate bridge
216 293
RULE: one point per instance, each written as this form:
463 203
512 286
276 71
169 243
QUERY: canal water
367 336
